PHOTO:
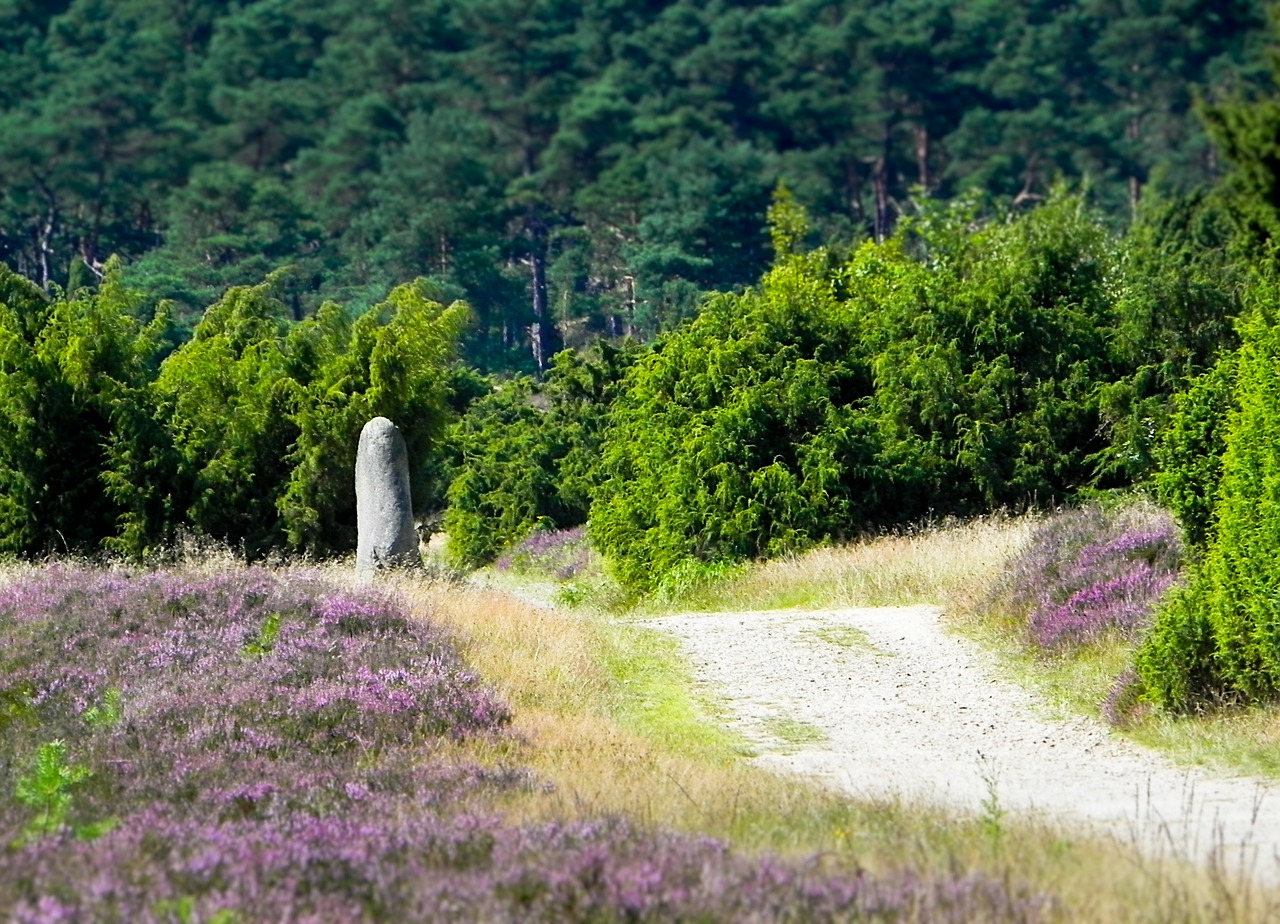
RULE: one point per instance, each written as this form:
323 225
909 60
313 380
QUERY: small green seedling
47 790
105 714
266 640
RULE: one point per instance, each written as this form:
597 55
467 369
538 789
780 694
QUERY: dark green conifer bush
529 453
1189 452
1219 639
247 433
73 373
742 434
953 368
264 415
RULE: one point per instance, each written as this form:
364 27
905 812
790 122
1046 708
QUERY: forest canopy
573 170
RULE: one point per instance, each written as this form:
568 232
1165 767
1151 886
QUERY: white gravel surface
907 709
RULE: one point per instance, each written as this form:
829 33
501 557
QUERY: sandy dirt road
895 705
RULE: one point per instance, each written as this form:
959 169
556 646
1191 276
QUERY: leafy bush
1220 638
247 433
1179 289
530 454
277 753
1190 451
954 368
739 435
73 374
265 416
1090 571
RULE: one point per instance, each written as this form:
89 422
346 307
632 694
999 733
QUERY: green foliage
46 789
987 370
951 369
573 171
1221 637
263 643
733 437
184 911
106 713
1190 451
393 361
529 454
72 367
1180 286
265 416
691 582
247 433
1176 661
226 398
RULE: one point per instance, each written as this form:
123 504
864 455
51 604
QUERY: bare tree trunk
1133 133
853 191
630 327
542 332
45 234
922 156
880 179
1030 178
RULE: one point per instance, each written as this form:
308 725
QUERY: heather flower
1090 571
561 554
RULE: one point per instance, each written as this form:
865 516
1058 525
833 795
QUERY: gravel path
893 705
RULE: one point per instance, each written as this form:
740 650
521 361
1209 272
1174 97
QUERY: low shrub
1090 571
562 554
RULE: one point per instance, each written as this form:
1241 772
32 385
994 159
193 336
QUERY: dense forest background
573 170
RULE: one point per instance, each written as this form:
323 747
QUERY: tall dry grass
949 563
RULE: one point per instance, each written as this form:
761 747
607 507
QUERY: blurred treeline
573 170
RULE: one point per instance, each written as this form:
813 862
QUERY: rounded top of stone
379 423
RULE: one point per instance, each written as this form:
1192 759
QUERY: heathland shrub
262 746
1220 638
529 454
562 554
952 369
1092 571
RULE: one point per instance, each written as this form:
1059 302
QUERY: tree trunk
44 246
542 332
922 156
880 179
1133 133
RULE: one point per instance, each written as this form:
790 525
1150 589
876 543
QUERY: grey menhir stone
384 509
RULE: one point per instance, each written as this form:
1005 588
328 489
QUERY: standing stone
384 510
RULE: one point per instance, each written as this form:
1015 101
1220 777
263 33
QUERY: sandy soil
899 707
